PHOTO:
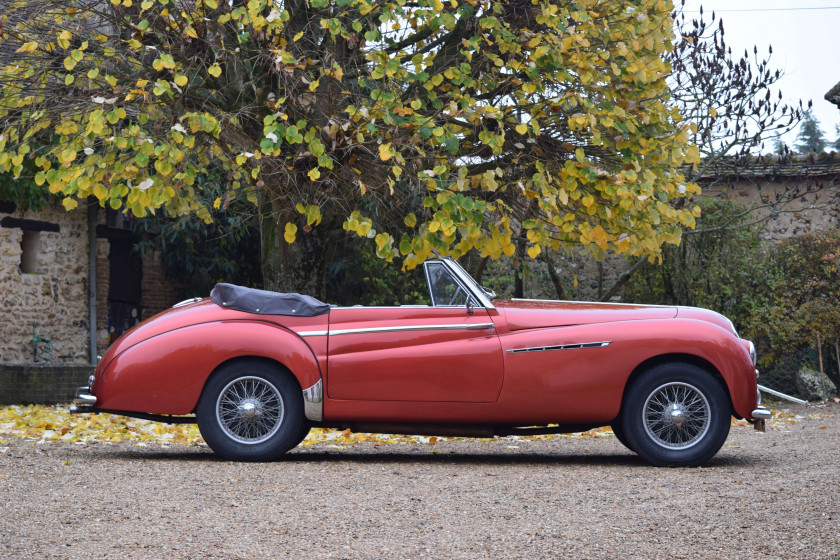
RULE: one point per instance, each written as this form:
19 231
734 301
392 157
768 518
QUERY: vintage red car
257 369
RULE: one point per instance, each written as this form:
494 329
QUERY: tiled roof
825 166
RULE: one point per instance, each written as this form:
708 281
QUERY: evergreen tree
810 137
837 141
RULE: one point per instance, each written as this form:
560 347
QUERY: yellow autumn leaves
55 423
553 123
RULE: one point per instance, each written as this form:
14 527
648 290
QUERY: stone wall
41 384
52 298
818 210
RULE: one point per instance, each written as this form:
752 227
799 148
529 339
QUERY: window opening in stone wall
30 243
30 250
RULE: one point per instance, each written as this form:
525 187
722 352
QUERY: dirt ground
766 496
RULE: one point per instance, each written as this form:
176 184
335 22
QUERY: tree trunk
519 273
479 272
622 280
552 272
299 267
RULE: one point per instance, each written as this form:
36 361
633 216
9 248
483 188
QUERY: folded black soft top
264 302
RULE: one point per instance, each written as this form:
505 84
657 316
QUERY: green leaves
428 125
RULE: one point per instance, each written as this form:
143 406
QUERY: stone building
46 289
788 198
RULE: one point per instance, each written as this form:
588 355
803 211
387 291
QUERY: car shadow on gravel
417 456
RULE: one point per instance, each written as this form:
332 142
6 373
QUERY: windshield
444 288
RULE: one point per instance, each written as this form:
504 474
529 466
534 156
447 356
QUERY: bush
717 266
782 296
798 301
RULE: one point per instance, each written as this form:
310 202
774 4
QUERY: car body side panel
430 354
165 374
575 385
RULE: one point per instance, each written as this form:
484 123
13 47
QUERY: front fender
586 383
165 374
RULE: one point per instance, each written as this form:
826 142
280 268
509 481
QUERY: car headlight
753 355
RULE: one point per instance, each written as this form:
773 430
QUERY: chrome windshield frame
463 278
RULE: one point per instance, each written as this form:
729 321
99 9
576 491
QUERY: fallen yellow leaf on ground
55 423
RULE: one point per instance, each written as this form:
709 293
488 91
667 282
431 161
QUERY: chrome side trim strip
562 347
449 327
312 333
313 402
616 303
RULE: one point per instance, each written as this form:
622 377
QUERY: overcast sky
805 35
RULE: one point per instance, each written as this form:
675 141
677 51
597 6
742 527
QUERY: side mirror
470 305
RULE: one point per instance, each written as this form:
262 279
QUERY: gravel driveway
772 495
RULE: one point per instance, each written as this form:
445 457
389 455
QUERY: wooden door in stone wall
124 290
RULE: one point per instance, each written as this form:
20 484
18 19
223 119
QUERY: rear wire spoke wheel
251 410
676 414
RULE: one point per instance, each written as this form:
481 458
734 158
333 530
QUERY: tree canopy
730 98
425 125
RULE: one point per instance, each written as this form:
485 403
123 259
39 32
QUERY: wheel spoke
250 410
676 415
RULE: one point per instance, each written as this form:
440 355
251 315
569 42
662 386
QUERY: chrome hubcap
676 415
250 410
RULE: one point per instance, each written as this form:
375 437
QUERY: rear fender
165 374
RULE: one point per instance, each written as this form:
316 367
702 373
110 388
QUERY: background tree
424 126
721 269
810 138
729 99
734 110
837 141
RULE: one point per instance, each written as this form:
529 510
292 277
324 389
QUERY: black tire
251 411
676 414
618 430
304 431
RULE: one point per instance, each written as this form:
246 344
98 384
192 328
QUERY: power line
769 9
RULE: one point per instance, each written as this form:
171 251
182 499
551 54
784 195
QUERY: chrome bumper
84 400
760 416
761 413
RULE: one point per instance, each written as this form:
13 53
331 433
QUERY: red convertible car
257 369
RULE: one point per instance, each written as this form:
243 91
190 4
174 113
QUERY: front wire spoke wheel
676 415
250 410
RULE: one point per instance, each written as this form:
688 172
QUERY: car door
440 353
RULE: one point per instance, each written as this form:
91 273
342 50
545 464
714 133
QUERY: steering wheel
455 296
